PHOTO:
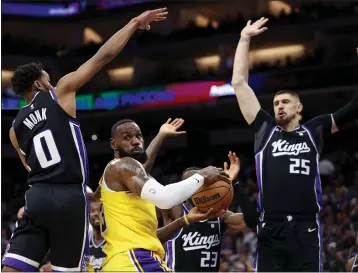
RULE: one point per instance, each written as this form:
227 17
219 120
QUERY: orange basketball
217 196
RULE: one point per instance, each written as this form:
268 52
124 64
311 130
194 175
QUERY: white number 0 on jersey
51 146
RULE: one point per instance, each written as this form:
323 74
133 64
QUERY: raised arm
75 80
248 103
167 129
14 143
130 173
344 116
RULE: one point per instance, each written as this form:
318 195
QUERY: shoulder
263 120
126 164
319 122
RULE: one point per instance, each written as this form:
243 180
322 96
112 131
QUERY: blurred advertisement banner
171 94
40 9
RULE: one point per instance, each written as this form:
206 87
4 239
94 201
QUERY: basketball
217 196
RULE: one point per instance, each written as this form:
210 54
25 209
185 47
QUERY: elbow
238 81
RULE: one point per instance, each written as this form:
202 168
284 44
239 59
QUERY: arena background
183 68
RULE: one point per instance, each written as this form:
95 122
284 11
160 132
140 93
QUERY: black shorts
55 219
289 246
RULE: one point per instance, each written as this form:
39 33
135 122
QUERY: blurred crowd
304 14
317 55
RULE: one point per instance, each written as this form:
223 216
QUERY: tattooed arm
128 174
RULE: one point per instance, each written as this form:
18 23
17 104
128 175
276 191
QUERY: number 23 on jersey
209 259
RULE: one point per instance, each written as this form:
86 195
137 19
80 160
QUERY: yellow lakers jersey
128 222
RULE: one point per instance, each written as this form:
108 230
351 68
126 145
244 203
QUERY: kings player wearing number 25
287 156
48 140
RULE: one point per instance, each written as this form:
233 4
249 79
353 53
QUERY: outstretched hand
234 168
170 128
195 215
254 29
150 16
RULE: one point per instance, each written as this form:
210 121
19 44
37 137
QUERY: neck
29 96
97 237
116 154
289 127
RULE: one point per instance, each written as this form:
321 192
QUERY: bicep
135 184
320 126
248 102
75 80
131 174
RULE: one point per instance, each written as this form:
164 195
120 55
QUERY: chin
281 121
284 121
96 227
142 157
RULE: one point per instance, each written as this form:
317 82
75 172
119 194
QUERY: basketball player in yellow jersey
129 196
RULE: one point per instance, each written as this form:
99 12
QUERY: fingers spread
261 30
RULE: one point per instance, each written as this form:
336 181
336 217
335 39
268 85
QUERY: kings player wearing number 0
48 139
287 156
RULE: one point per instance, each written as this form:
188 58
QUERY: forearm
152 151
166 197
168 231
117 42
344 116
241 62
246 98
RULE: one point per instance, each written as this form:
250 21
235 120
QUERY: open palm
170 128
234 168
255 28
150 16
195 215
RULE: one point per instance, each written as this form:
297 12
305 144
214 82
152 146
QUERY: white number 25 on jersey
301 166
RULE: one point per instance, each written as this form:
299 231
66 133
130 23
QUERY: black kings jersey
287 166
196 247
51 142
97 255
355 264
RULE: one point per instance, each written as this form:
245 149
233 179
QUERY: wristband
186 219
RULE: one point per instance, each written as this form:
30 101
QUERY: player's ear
113 143
299 108
37 85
